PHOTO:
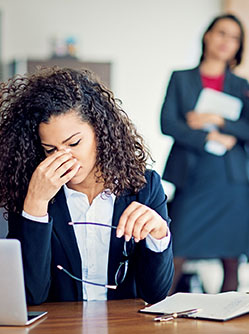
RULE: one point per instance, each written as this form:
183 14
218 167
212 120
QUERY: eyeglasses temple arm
92 223
114 287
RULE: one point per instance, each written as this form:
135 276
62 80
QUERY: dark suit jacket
181 96
44 246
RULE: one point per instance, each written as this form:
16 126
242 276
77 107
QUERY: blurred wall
144 39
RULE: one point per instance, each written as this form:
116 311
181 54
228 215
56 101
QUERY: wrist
212 135
220 122
36 208
161 232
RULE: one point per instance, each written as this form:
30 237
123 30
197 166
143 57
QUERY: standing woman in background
210 216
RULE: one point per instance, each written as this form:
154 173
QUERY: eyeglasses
123 265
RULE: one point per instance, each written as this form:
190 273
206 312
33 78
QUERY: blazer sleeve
154 271
35 240
240 128
174 108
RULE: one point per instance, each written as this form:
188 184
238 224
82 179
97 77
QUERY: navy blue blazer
44 246
181 96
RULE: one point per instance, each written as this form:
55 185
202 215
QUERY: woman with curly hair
74 182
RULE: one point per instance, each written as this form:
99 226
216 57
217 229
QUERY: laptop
13 307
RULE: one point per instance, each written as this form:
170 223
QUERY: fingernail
136 240
119 234
127 238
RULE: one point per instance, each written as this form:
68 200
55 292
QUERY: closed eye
50 150
76 143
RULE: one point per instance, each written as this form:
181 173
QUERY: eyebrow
64 141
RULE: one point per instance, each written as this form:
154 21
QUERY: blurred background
141 40
133 45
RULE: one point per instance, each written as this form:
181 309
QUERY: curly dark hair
26 101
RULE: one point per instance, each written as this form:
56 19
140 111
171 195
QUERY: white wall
144 39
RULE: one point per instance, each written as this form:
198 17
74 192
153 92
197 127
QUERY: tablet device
13 307
220 103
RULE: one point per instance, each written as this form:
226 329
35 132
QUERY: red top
216 83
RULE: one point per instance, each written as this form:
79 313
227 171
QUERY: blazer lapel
65 233
228 83
195 86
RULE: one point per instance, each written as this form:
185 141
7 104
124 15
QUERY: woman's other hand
47 179
139 220
198 121
227 140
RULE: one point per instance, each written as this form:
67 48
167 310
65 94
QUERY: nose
64 148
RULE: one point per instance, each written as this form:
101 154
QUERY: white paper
221 306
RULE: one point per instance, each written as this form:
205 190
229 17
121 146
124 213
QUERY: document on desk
221 306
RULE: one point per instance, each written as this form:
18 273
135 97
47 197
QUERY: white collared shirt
94 241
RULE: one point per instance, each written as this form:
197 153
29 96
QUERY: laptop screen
13 307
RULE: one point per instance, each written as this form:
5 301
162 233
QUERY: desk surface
119 317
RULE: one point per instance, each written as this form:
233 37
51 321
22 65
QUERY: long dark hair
238 56
26 101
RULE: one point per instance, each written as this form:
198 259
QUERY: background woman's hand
139 220
198 121
227 140
54 171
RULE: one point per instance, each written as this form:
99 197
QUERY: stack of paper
221 306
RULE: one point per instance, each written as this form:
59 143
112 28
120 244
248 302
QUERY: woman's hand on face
227 140
54 171
197 121
138 221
